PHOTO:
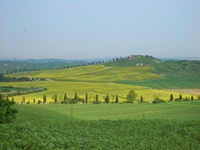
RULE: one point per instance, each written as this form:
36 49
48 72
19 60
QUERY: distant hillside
143 70
187 67
8 67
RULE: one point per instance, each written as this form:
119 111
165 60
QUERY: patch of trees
13 79
7 113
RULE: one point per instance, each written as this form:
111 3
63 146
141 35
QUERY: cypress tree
107 99
23 99
141 99
65 97
180 97
44 98
116 99
97 97
192 98
86 98
171 97
75 96
56 98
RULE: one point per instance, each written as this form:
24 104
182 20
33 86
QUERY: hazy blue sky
74 29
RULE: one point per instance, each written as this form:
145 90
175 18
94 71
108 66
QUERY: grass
168 81
50 127
172 110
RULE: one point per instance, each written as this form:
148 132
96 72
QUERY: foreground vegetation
105 126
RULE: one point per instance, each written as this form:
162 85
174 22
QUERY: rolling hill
148 76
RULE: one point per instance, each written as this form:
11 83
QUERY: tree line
12 79
130 98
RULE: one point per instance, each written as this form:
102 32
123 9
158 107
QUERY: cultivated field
92 88
173 125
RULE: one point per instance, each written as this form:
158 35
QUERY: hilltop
189 67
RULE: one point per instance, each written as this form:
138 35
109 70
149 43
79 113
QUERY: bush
96 102
158 100
131 96
7 114
177 100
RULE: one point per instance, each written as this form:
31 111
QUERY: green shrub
131 96
178 100
96 102
158 100
7 114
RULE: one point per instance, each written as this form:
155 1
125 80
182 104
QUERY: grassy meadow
173 125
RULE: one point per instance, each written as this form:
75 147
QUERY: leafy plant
131 96
7 113
158 100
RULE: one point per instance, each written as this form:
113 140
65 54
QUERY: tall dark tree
86 98
75 96
107 99
192 98
141 99
75 100
55 98
171 97
23 99
97 97
33 100
180 97
44 98
65 98
116 99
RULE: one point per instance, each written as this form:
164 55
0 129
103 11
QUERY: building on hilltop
135 56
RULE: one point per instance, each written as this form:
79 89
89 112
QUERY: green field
113 126
172 110
168 81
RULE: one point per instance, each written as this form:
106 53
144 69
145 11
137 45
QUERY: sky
83 29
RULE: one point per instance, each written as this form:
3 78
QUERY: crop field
92 88
97 73
106 126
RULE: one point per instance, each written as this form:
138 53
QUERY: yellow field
62 87
95 79
97 73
